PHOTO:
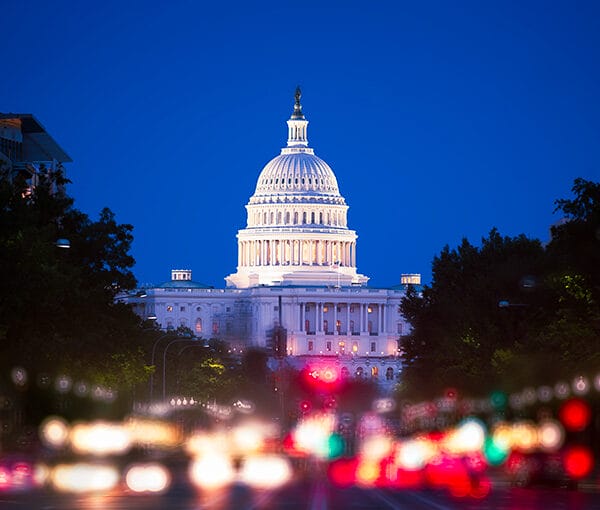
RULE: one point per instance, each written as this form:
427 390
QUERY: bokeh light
575 414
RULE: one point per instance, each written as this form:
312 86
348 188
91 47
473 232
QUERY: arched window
287 218
296 218
389 374
374 372
360 372
345 373
198 325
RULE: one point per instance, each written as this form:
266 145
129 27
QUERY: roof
183 284
38 145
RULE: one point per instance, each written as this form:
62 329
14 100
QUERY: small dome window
296 180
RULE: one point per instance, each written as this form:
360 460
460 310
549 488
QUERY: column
383 318
363 318
239 253
335 318
319 316
302 307
348 332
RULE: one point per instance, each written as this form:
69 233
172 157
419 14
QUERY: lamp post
169 333
164 382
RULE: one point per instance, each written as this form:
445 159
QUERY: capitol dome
297 221
300 174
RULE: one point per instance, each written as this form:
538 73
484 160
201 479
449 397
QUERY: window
360 372
389 374
373 347
169 324
329 346
307 325
275 308
370 326
228 309
352 326
369 309
399 325
182 308
198 325
351 308
198 308
325 308
354 346
374 372
345 373
311 345
169 308
325 326
215 328
338 325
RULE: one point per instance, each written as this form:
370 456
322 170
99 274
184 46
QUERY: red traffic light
305 406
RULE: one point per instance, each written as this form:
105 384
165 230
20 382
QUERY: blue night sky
440 120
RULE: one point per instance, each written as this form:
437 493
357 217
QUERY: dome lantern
297 125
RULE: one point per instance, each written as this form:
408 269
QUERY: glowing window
329 346
198 325
373 347
169 308
311 345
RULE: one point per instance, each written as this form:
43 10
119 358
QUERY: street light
168 333
190 339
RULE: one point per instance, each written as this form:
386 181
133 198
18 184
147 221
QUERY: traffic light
322 378
280 342
305 406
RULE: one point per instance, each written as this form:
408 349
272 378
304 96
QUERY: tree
457 324
549 326
57 307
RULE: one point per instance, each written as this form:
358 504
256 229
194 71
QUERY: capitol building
296 277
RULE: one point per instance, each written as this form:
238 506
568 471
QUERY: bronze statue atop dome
297 106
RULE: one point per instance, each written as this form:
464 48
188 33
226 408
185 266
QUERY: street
317 494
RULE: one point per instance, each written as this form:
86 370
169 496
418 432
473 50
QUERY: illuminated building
296 270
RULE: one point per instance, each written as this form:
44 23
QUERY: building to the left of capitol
296 273
26 147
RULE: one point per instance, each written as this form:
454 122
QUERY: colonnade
345 316
308 216
294 252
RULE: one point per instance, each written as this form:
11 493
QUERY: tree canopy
57 307
510 312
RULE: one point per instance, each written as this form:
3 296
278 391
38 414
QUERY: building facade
297 271
26 147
